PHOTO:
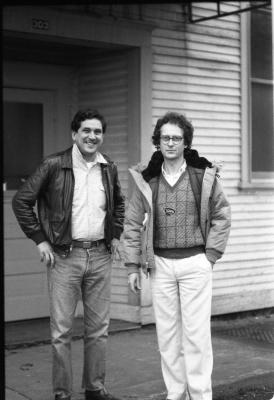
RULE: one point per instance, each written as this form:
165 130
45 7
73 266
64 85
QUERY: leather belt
87 244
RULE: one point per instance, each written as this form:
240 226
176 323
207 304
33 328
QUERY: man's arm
24 201
132 239
23 206
132 231
220 222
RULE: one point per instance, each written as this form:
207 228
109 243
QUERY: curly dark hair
176 119
84 114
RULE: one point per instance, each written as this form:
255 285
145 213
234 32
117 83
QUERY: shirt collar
180 171
78 157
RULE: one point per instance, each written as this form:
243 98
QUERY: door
28 136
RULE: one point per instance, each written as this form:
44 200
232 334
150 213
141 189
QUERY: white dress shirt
173 178
89 198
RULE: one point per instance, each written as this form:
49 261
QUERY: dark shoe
61 397
99 395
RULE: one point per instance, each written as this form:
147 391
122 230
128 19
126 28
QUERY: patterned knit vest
176 215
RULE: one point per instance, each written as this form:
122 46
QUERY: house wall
197 70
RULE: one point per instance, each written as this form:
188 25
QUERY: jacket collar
66 158
78 159
208 180
145 187
142 185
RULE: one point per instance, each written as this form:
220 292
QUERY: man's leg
168 325
195 287
96 289
64 291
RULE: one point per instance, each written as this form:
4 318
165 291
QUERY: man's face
172 149
89 138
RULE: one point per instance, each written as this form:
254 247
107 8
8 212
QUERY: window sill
257 185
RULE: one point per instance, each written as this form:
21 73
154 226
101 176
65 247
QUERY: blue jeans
85 273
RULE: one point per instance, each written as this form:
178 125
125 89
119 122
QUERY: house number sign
40 24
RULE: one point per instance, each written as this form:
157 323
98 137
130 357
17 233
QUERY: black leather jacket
52 186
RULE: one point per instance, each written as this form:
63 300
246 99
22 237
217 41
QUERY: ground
249 393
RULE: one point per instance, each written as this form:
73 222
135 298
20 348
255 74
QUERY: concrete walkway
133 363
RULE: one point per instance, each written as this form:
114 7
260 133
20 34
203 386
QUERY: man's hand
115 249
46 253
134 282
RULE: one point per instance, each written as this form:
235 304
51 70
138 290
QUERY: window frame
46 99
250 180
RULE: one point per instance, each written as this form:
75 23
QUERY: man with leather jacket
79 224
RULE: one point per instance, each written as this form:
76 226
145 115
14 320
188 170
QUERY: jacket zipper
71 200
106 185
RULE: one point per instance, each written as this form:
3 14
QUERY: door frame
51 86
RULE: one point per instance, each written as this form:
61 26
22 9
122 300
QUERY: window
28 132
23 141
257 98
262 93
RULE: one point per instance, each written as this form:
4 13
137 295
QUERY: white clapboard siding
196 71
103 84
220 275
198 97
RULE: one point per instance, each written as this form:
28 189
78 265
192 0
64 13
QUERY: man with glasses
80 220
176 228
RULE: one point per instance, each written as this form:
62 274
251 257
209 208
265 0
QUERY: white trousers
182 293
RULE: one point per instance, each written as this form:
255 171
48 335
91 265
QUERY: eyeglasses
175 139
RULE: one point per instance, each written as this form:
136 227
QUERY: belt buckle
87 244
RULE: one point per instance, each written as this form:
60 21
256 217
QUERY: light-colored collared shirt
172 179
89 198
